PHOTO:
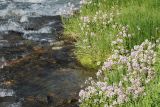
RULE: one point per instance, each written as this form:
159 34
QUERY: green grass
143 14
143 19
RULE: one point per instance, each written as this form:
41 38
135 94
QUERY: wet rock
4 43
3 63
51 98
33 101
56 48
74 100
63 56
12 35
8 99
39 99
57 43
55 101
8 83
40 37
10 39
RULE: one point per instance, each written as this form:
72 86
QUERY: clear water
15 15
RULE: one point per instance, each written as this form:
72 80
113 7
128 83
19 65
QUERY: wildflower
92 34
98 63
116 51
85 19
120 40
99 73
120 33
138 63
108 64
138 28
82 95
113 26
85 40
124 35
84 2
105 78
114 42
123 59
129 35
115 56
114 103
106 105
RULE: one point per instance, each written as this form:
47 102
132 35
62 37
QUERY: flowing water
32 74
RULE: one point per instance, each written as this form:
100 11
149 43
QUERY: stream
36 68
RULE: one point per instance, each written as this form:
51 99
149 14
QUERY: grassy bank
121 38
94 27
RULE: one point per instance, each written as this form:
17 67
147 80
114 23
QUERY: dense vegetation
94 39
122 36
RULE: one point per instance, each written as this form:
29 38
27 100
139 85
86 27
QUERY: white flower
113 26
120 40
99 73
92 34
124 35
114 42
129 35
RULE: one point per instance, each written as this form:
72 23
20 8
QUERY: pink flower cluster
138 63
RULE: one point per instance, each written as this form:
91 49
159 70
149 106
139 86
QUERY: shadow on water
46 76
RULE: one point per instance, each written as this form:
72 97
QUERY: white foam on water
46 29
23 9
11 10
11 26
15 26
37 7
3 62
30 1
6 92
18 104
2 59
24 19
38 35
